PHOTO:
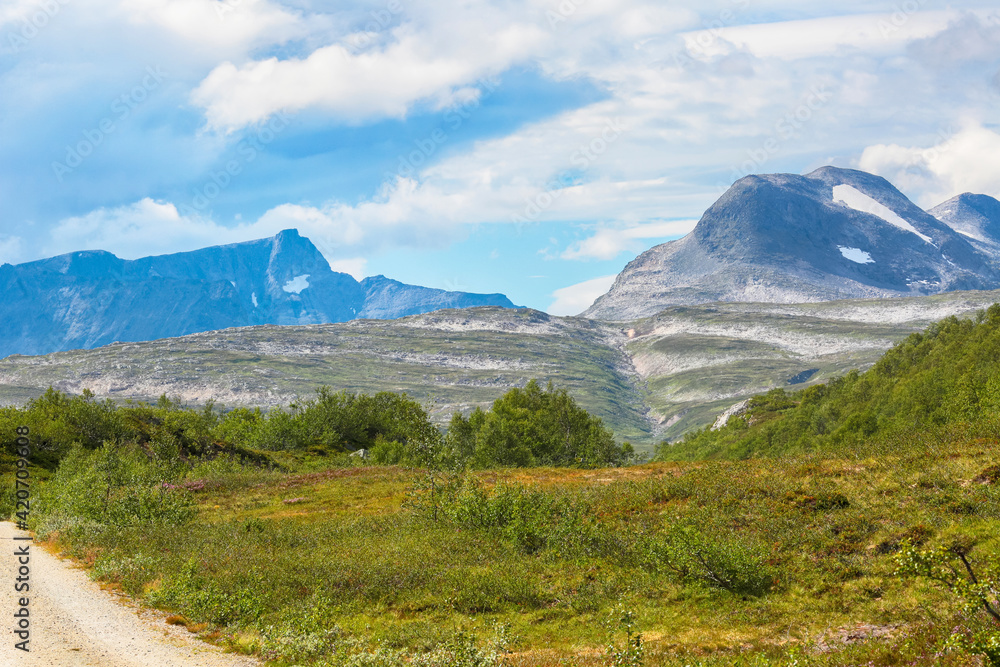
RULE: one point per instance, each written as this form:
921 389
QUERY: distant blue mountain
92 298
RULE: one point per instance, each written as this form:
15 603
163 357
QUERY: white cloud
339 231
961 162
577 298
23 11
131 231
609 242
11 249
353 266
218 24
792 40
373 84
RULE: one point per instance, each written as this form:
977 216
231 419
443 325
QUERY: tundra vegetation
854 523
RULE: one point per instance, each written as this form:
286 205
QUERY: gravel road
74 622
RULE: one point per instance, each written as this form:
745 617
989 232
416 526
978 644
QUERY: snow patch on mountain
859 201
296 284
856 255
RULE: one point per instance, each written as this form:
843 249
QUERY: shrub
532 427
631 652
115 485
951 568
734 565
199 597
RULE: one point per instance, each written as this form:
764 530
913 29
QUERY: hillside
946 376
448 360
976 217
650 379
784 238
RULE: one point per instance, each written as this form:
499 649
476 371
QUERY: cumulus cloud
17 13
967 38
343 233
220 24
382 82
575 299
131 231
609 242
963 161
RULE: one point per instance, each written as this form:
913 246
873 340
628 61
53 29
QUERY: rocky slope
784 238
649 379
89 299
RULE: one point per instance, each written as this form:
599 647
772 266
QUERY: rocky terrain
649 379
88 299
832 234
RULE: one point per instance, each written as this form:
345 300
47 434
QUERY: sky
529 147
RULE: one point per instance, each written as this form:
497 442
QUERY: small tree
632 652
979 593
534 426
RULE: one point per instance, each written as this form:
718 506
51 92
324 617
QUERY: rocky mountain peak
977 217
91 298
831 234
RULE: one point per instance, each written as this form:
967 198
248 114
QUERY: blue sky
530 147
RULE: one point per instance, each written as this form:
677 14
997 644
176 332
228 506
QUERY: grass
323 566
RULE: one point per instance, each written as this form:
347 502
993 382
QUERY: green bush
732 564
115 485
196 595
534 427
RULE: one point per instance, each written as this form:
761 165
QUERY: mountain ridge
785 238
91 298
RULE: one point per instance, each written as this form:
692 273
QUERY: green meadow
852 523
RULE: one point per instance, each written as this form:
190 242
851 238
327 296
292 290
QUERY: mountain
650 379
785 238
976 217
92 298
386 299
